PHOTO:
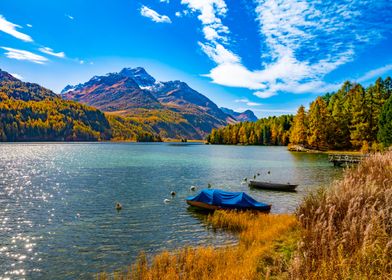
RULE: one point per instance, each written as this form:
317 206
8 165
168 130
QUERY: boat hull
273 186
209 207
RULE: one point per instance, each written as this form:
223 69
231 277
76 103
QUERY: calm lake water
57 216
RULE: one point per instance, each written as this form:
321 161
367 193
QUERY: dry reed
264 250
347 229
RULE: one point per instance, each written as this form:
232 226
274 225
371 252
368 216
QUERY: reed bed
347 229
266 243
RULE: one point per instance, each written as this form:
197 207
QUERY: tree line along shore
353 118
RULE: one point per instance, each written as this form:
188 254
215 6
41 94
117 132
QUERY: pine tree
299 129
360 120
317 119
385 124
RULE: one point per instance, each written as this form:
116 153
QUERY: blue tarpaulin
230 200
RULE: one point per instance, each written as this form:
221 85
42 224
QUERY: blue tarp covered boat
211 199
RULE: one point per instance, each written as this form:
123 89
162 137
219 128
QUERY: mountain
172 109
16 89
30 112
246 116
112 92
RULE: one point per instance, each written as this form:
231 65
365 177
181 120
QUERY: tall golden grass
347 229
264 250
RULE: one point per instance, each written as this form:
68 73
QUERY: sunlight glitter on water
58 200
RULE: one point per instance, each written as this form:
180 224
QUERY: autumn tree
385 124
317 119
299 130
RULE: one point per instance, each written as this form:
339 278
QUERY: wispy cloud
29 25
210 13
153 15
24 55
165 1
303 41
375 73
49 51
247 102
264 94
11 29
70 17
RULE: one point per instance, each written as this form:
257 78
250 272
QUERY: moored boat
213 199
273 186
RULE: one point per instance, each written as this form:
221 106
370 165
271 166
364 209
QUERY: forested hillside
265 131
347 119
351 118
29 112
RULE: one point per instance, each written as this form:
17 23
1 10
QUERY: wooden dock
339 159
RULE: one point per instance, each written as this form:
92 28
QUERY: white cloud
375 73
29 25
24 55
49 51
178 14
10 28
70 17
165 1
81 61
219 53
303 41
215 32
17 76
247 102
153 15
208 10
264 94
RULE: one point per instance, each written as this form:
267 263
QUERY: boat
273 186
214 199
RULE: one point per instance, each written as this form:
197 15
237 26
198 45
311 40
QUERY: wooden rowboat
203 205
272 186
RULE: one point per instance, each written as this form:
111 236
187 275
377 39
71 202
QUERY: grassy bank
343 232
266 243
347 229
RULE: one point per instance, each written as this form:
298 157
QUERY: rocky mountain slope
246 116
173 109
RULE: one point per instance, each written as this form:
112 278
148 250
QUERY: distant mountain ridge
133 92
246 116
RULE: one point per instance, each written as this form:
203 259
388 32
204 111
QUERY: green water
57 216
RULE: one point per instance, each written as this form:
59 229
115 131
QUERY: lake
57 201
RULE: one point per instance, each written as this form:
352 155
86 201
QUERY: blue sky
268 56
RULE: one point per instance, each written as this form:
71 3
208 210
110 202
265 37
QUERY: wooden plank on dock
339 159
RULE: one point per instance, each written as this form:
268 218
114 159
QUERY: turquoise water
57 216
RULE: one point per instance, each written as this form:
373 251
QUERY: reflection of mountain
172 109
